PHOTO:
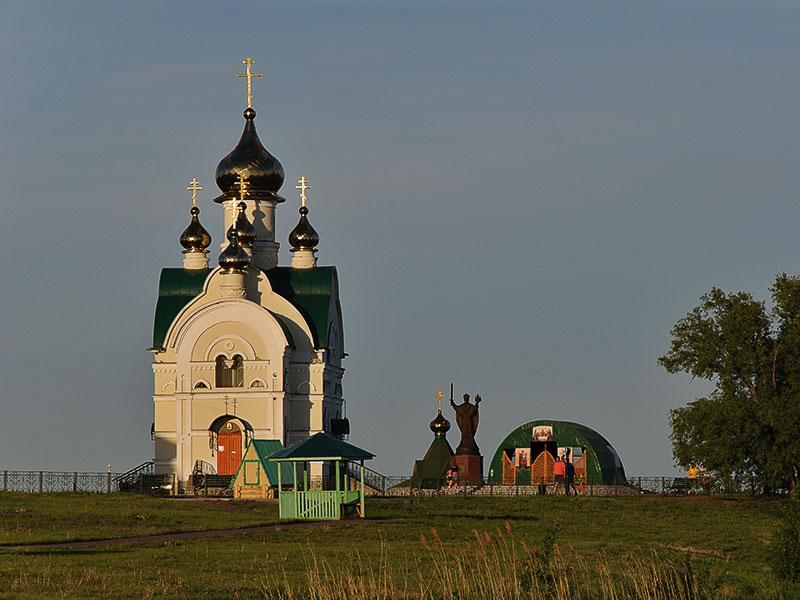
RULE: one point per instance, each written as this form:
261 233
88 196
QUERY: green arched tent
523 445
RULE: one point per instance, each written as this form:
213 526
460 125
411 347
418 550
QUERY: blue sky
520 197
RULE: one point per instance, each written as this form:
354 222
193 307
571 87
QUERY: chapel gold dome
195 238
249 160
303 236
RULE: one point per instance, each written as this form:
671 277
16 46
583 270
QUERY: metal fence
59 481
632 486
382 485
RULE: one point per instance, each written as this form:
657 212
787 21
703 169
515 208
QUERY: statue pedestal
470 468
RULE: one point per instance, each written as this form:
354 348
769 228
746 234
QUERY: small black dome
245 230
303 236
233 258
195 238
264 173
440 425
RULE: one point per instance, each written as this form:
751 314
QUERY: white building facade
245 348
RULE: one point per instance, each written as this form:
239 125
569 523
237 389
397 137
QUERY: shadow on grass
485 517
69 551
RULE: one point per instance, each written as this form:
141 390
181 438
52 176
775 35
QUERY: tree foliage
750 424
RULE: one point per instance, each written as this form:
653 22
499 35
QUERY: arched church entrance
228 436
229 449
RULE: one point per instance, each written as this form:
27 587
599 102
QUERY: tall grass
490 567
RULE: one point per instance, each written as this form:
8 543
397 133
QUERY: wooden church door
229 449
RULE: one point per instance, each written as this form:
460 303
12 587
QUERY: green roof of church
176 288
308 290
322 446
436 461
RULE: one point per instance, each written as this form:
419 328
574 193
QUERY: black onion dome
263 172
303 236
195 238
244 229
233 258
440 425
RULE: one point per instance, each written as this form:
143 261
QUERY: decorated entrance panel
515 461
229 449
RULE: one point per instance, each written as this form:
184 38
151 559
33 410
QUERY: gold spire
303 186
194 185
247 62
440 395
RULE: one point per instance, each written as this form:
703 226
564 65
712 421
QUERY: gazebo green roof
321 446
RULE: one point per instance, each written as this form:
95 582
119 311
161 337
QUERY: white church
244 348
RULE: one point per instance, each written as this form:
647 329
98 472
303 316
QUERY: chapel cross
303 186
247 62
439 395
242 181
194 185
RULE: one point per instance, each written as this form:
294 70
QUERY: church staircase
373 481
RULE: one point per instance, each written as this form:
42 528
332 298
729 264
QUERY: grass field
432 548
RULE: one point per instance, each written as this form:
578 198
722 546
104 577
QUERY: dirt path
186 535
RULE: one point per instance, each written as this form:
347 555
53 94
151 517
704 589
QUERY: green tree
750 424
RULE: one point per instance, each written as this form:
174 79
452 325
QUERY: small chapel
244 348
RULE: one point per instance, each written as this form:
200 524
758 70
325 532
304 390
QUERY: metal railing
632 486
59 481
142 479
127 478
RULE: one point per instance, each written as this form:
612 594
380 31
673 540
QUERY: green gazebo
299 502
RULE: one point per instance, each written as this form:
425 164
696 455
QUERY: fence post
41 478
662 486
108 483
5 481
74 481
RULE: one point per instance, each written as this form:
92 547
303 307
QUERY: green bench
219 485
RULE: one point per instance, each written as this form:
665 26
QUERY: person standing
454 478
570 485
559 471
692 479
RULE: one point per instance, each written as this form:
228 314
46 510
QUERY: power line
71 376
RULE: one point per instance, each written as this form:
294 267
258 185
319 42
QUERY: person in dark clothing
570 484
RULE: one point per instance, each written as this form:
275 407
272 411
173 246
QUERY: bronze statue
467 421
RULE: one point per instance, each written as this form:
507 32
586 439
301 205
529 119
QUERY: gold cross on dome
247 62
242 181
302 186
439 395
194 185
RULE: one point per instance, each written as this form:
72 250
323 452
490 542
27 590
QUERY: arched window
229 371
238 371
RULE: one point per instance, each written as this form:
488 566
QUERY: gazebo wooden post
338 495
361 496
278 495
296 492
